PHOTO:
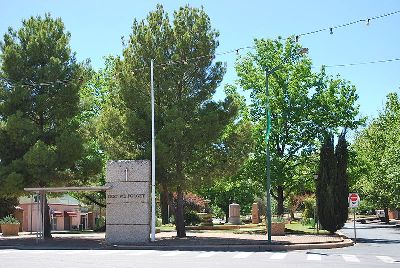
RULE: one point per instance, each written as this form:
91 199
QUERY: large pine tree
189 123
40 143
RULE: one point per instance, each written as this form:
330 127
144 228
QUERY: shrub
309 208
9 220
308 221
278 219
191 217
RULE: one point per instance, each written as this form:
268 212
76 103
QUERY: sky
96 28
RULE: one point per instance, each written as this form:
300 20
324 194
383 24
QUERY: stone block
132 214
127 234
128 192
255 219
128 170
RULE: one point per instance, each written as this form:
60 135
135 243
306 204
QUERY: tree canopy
40 141
376 164
304 105
189 123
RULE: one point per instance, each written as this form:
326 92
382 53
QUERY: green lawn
298 228
291 228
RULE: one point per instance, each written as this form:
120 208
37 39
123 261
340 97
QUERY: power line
362 63
211 56
330 29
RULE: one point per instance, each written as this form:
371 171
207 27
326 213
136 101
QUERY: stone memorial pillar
128 210
255 219
234 213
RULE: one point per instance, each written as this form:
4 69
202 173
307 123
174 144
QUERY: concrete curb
243 247
255 247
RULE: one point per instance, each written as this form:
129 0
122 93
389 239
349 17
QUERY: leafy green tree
40 140
376 159
332 186
189 123
304 105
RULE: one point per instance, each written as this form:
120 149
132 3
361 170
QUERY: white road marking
6 251
38 251
206 254
242 255
278 256
104 252
71 252
172 254
386 259
350 258
140 252
313 257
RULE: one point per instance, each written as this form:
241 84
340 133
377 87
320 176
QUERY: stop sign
353 197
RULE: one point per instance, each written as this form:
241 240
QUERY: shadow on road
377 241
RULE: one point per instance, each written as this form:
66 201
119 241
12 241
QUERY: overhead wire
186 60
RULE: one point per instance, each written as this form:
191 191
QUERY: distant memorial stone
255 219
128 201
234 214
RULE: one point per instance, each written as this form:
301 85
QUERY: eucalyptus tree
304 106
376 163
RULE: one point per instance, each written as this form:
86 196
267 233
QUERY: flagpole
267 132
153 162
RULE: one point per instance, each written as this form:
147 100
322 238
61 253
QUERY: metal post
354 224
31 211
153 162
38 217
269 216
43 197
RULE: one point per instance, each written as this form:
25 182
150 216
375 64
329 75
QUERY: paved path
193 241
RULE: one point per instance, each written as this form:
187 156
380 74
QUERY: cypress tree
342 186
332 186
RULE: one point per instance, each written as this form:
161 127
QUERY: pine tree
40 142
189 123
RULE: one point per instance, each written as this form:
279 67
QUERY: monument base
127 234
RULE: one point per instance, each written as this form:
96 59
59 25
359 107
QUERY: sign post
354 200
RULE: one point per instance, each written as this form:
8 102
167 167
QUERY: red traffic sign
354 197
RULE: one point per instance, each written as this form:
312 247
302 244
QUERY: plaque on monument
128 201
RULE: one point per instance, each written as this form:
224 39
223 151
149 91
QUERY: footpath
217 241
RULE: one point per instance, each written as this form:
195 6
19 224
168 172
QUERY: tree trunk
386 215
179 221
280 200
226 210
47 223
164 204
292 215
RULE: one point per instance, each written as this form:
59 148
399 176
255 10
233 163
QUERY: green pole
267 132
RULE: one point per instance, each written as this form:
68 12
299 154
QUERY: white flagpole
153 163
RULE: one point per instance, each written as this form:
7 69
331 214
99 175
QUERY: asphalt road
378 246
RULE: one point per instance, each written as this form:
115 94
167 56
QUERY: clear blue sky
97 26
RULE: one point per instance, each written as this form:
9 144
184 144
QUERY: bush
308 221
158 222
309 208
191 218
9 220
278 219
